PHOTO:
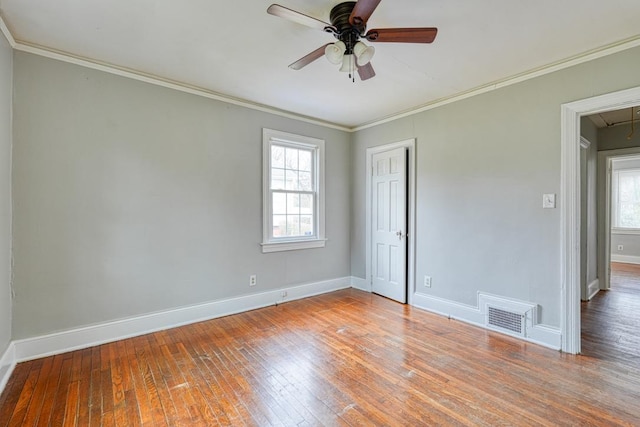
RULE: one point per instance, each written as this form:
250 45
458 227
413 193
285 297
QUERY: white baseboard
7 364
448 308
360 283
89 336
593 288
627 259
544 335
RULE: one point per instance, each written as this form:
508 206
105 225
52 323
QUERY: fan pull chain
352 72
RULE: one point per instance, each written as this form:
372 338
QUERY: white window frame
277 244
616 228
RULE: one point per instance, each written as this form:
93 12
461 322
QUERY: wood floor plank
342 359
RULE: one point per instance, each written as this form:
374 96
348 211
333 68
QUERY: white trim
84 337
627 259
410 146
625 231
544 335
570 205
593 288
292 246
7 33
360 284
584 143
7 365
269 244
518 78
453 310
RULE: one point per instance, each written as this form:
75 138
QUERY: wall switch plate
427 281
253 280
549 201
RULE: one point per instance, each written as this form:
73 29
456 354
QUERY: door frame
410 147
605 162
570 205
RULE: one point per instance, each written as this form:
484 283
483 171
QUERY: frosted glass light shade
334 52
348 63
363 53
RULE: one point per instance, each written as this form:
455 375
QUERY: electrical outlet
620 248
253 280
427 281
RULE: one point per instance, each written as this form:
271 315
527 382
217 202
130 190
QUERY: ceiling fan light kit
334 52
348 25
363 53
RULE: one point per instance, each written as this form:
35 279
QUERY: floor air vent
505 320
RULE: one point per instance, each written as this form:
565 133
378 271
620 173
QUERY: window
293 180
626 199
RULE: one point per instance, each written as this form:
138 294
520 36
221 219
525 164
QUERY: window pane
279 203
291 158
304 180
292 180
306 225
279 225
304 157
629 215
277 157
293 204
306 204
293 225
629 199
277 179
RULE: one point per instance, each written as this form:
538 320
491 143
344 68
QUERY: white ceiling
236 49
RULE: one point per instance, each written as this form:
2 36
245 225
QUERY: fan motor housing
347 33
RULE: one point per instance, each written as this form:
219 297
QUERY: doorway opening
609 319
570 206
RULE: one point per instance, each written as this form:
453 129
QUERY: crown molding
167 83
581 58
7 33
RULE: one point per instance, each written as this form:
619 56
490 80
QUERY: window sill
292 245
630 231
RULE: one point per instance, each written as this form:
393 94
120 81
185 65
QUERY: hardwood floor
611 320
345 358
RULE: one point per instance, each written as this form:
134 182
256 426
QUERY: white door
389 224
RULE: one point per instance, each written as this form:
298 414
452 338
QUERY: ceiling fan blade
402 35
366 71
300 18
362 11
309 58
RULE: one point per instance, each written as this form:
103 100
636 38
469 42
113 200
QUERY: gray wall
131 198
483 164
6 70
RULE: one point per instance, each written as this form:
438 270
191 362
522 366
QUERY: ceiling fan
348 25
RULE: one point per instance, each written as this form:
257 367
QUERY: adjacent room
319 212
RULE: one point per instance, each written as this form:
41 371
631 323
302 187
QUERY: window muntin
293 180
